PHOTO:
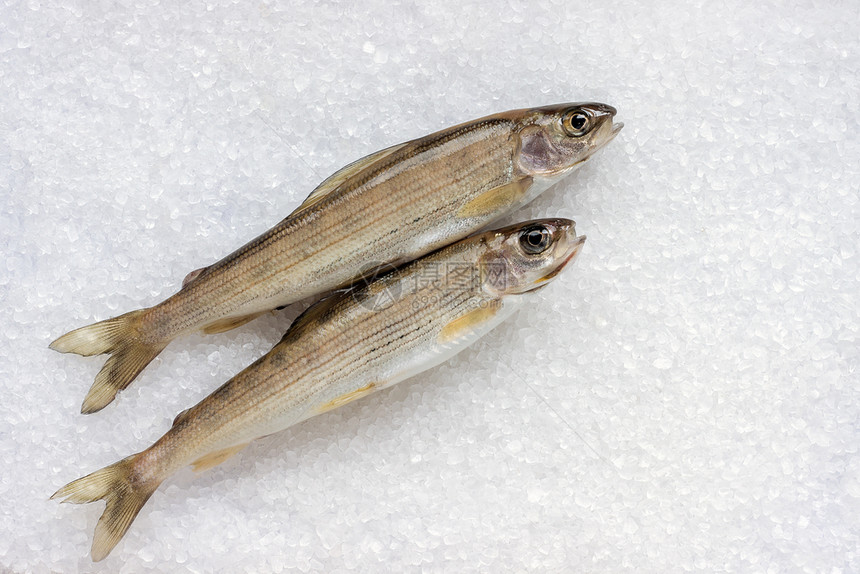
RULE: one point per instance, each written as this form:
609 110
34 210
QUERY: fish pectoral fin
216 457
466 324
222 325
346 398
343 174
495 200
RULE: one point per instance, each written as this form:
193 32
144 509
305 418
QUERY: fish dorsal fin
222 325
312 316
343 174
215 458
181 417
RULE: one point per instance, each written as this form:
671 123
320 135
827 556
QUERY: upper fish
388 208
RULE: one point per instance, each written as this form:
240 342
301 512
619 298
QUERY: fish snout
599 110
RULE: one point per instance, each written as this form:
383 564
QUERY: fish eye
576 123
535 239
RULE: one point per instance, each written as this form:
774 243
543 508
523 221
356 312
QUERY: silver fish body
390 207
343 348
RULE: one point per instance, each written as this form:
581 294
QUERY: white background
684 398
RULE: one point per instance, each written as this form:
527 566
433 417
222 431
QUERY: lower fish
341 349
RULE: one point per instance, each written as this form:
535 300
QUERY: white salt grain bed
683 398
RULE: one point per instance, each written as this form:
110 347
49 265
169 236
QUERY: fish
390 207
345 347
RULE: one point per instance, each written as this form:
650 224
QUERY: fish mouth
604 134
573 250
606 128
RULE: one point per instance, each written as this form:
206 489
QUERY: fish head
555 139
527 256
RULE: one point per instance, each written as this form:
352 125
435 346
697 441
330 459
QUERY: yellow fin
462 326
496 199
346 398
222 325
343 174
215 458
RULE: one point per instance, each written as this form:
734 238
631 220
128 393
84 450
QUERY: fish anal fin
215 458
346 398
343 174
467 324
222 325
495 200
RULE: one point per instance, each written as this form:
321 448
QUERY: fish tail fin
120 337
124 493
102 337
